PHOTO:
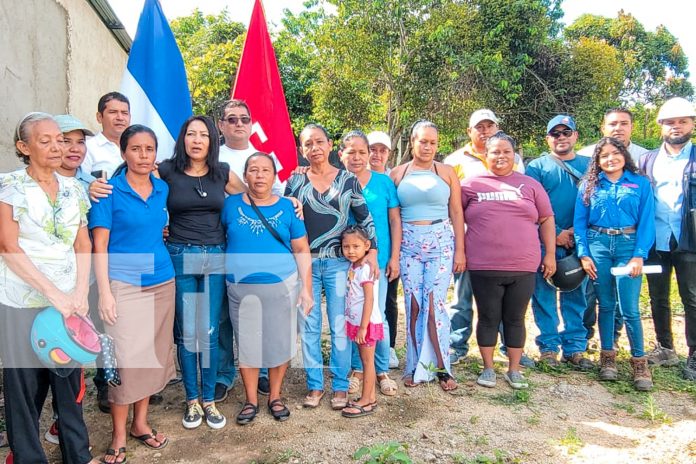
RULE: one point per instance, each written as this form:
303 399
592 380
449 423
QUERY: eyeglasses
233 120
558 134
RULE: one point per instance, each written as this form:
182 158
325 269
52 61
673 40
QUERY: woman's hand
393 269
589 267
635 267
80 302
548 265
99 189
371 260
459 264
107 308
299 171
65 304
360 337
297 204
305 301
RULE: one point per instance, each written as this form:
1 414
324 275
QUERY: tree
211 47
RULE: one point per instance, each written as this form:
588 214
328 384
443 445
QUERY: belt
610 231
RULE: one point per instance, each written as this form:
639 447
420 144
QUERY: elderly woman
614 226
432 248
45 262
380 195
269 276
197 184
136 287
329 196
505 213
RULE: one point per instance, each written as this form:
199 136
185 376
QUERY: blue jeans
200 291
461 314
226 372
545 308
609 251
382 348
330 274
590 318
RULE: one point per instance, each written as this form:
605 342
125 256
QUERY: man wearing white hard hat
672 170
470 161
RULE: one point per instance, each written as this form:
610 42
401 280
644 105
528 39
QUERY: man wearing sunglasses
559 171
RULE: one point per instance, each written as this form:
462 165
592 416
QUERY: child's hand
360 338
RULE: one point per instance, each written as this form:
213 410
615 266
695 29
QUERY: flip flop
150 436
444 378
361 410
113 452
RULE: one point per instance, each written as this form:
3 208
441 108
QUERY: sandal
361 410
244 418
339 402
387 386
408 381
280 415
113 452
354 384
446 381
151 436
312 401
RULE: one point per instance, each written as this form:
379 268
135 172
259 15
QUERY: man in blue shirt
672 170
559 172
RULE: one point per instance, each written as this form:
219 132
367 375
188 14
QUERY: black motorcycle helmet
569 274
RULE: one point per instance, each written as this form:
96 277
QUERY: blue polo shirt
137 254
380 196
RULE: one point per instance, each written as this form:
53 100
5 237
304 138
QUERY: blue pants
572 339
590 318
609 251
200 291
330 274
382 348
461 314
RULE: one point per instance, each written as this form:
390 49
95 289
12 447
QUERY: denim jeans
590 318
461 314
200 291
226 372
382 347
329 274
609 251
546 315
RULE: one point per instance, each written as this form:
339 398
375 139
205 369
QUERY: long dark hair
125 138
592 177
181 160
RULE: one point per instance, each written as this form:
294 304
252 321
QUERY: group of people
208 252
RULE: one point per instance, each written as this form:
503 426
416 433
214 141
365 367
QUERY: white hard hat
376 137
676 108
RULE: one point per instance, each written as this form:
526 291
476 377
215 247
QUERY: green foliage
653 413
571 442
513 398
391 452
499 457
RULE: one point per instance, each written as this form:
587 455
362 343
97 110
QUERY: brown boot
642 377
607 365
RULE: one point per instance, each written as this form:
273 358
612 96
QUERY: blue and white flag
155 79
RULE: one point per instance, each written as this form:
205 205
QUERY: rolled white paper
624 270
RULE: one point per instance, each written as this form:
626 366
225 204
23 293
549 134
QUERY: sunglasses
564 133
233 120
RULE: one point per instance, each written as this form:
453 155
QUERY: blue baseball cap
561 120
69 123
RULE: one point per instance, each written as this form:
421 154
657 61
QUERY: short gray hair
23 130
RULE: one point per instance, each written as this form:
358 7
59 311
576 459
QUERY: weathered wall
56 56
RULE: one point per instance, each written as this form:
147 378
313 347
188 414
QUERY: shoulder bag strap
565 167
270 229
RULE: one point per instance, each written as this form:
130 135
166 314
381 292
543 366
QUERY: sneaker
578 361
526 361
550 358
51 435
264 387
456 357
661 356
487 378
175 380
193 417
516 380
690 367
221 392
213 417
393 360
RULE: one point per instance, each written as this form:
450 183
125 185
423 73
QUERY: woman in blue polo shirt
136 287
615 227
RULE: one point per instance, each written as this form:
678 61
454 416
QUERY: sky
650 13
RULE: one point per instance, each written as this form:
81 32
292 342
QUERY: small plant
571 441
391 452
473 420
512 398
653 413
481 441
534 419
432 371
285 456
499 457
628 407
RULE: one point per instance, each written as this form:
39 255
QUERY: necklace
202 193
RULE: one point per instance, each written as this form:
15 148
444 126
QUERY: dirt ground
566 417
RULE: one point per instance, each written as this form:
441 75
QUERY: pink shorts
375 333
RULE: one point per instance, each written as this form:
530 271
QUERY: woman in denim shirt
614 227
